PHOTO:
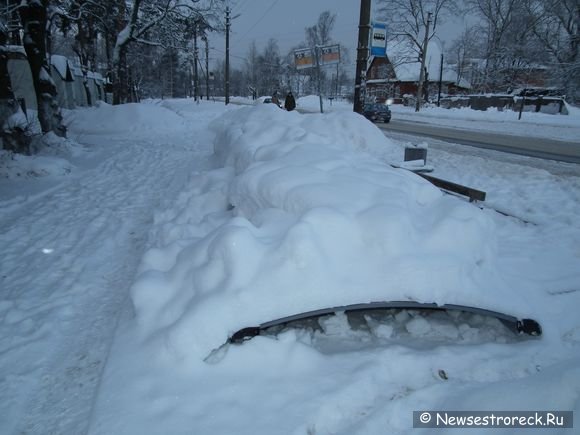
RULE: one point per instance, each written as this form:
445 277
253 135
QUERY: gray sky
285 20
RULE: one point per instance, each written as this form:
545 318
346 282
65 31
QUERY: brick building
397 75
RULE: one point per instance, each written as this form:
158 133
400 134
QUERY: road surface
529 146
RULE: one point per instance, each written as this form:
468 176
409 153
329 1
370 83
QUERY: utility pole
423 60
206 67
337 65
195 57
362 55
317 56
227 72
440 82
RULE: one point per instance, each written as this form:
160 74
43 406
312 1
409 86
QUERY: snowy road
438 148
69 257
530 188
528 146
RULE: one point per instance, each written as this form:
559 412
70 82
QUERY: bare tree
319 34
251 67
143 17
84 16
270 68
33 15
556 24
415 23
499 18
9 15
9 138
5 83
463 51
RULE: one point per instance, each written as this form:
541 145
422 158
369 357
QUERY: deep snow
292 212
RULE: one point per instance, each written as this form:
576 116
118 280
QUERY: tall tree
8 105
85 16
498 17
270 68
11 20
415 23
33 15
140 21
462 51
319 34
556 25
5 82
251 67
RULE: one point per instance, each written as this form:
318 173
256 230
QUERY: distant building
20 76
62 76
397 75
68 79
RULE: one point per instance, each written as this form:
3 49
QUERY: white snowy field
162 228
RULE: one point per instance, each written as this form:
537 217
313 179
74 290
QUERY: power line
238 6
294 32
223 52
261 18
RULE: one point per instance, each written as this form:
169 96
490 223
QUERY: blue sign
379 39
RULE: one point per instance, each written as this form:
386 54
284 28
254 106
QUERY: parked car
377 112
269 100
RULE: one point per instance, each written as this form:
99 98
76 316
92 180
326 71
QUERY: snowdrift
296 217
298 220
134 118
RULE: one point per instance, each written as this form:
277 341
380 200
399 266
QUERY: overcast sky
285 20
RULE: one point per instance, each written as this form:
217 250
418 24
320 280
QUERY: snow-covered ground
71 241
162 228
560 127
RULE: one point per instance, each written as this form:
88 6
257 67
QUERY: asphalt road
528 146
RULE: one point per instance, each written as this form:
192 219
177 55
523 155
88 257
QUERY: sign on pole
303 58
379 40
329 55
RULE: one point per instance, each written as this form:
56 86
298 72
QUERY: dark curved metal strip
524 326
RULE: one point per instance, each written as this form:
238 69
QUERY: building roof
60 64
407 67
14 51
78 72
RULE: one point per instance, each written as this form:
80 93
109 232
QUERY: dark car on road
377 112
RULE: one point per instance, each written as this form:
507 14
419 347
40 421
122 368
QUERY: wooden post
227 72
206 68
195 59
317 56
362 55
440 82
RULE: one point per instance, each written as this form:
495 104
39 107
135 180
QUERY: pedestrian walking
290 102
275 99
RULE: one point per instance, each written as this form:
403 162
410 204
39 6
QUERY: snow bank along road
69 255
315 222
